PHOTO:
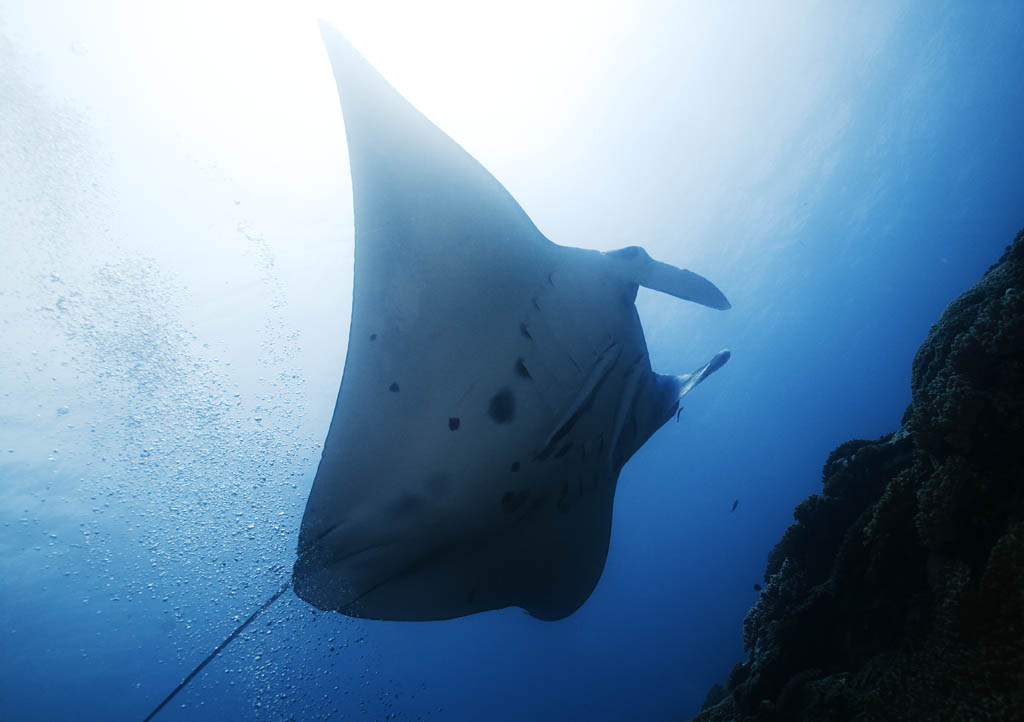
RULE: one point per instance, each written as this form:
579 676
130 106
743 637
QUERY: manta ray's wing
494 386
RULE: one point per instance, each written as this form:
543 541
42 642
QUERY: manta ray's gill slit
560 433
525 331
521 369
599 372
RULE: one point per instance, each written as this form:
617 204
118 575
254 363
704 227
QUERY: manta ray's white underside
494 386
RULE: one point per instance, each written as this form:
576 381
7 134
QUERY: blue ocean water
174 305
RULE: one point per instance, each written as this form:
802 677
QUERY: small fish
735 504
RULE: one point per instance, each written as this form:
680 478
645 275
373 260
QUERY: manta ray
495 385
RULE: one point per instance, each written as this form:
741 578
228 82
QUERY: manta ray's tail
217 650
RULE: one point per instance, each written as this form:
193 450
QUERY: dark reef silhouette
898 594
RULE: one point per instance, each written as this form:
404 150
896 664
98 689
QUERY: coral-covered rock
898 594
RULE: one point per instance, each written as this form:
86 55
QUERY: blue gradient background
174 314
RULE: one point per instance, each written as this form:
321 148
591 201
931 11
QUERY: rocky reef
898 594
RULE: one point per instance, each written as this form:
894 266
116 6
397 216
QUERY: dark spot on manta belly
502 407
373 337
393 387
453 423
512 500
515 466
521 370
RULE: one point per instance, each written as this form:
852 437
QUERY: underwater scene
488 361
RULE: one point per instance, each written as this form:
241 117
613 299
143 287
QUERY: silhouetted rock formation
898 594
